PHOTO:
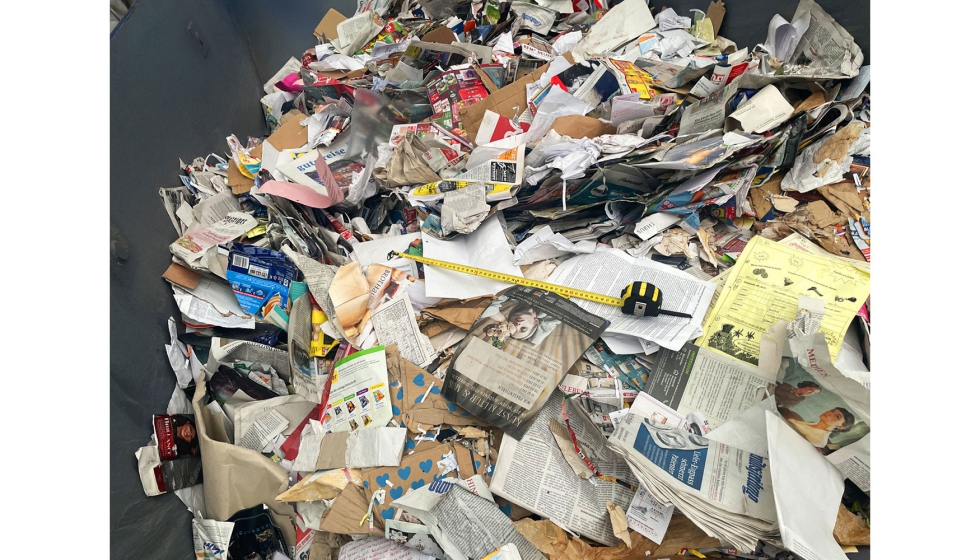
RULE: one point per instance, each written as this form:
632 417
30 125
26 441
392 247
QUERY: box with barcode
260 277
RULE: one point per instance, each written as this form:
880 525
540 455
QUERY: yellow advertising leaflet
764 286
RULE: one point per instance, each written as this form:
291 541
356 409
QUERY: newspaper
516 353
228 351
464 524
212 303
725 491
702 380
764 287
609 271
394 323
826 49
198 247
534 474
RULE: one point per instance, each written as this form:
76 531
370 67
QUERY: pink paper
301 194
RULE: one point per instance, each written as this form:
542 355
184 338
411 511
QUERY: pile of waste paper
515 280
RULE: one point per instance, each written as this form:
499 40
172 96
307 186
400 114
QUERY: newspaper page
359 394
731 479
477 526
854 462
609 271
826 48
702 380
377 548
765 286
228 351
534 474
516 353
394 323
193 247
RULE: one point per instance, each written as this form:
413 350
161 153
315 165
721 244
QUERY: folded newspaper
725 491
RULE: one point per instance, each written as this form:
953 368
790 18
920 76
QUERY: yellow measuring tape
563 291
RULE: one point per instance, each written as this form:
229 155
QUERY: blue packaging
258 275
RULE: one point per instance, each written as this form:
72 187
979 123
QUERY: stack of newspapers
725 491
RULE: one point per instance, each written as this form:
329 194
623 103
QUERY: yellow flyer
765 285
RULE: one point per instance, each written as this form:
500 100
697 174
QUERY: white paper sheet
485 248
807 489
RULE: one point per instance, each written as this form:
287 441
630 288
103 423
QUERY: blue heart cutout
388 513
435 390
397 493
409 444
452 407
418 484
505 509
426 465
382 480
395 410
404 472
399 395
419 380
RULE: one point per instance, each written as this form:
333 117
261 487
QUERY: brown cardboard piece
416 470
333 451
290 135
716 13
443 35
578 126
182 276
846 198
453 313
346 513
236 477
327 28
555 543
849 529
509 101
238 183
411 382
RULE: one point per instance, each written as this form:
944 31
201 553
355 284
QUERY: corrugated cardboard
291 134
182 276
416 470
327 28
509 101
409 384
578 126
236 477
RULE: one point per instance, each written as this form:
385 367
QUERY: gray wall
184 74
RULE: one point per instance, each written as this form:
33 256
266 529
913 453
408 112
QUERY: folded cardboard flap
291 134
409 407
578 126
326 30
442 35
182 276
509 101
236 478
346 512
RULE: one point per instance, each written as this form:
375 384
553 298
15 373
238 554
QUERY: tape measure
639 298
